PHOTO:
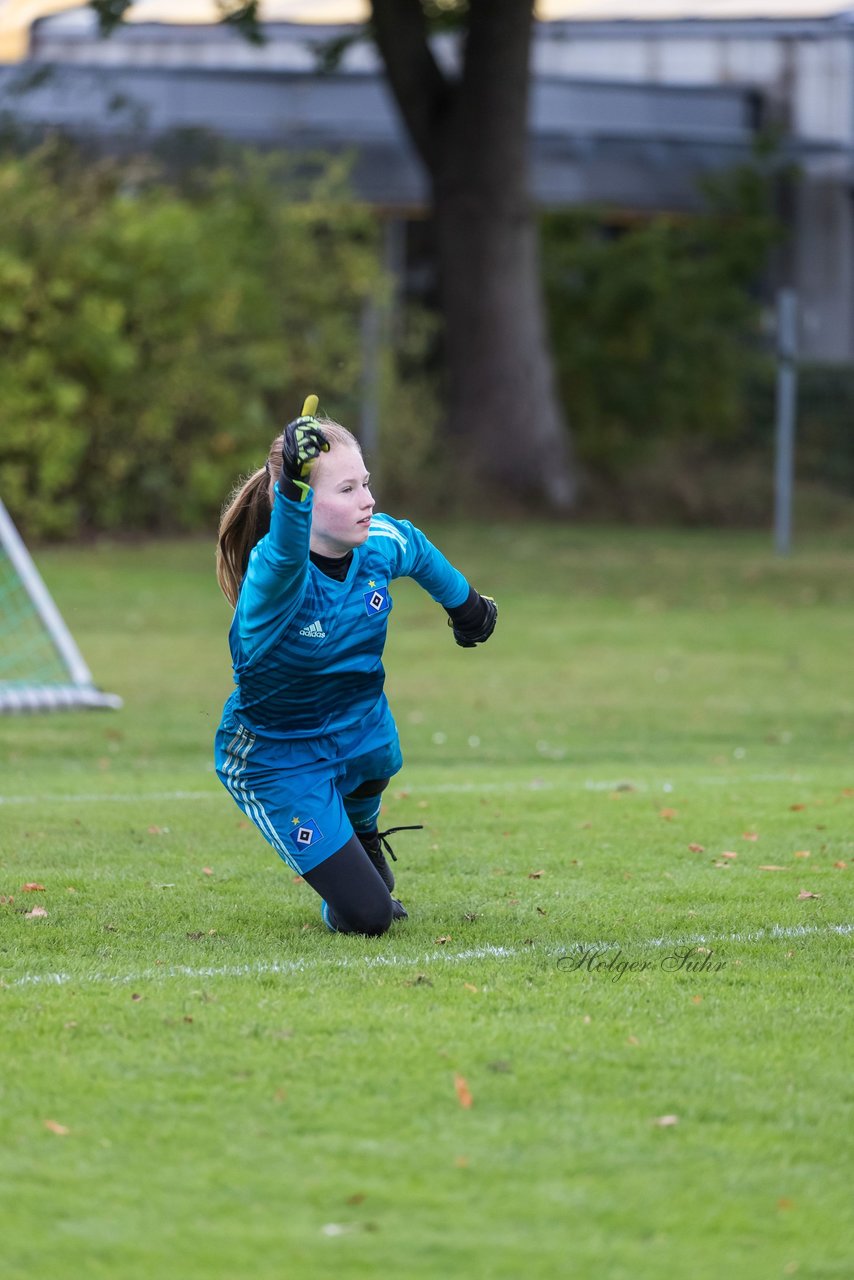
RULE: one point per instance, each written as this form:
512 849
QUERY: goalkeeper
307 743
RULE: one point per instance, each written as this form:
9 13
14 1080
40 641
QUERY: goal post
41 667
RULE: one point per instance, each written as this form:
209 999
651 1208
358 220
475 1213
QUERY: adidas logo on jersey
315 630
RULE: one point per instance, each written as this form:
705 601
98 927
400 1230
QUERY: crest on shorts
376 600
306 834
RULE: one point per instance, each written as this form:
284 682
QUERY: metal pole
378 320
370 423
787 394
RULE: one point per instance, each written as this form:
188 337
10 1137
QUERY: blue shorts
295 800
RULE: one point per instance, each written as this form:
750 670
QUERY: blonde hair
245 518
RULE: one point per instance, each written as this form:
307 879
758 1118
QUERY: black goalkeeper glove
302 444
474 620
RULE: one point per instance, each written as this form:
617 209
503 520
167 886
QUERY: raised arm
278 566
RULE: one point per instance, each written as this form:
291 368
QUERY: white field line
772 933
440 788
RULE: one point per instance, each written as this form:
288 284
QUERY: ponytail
245 520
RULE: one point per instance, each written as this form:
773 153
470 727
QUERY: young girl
307 743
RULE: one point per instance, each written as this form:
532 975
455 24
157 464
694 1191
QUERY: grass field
614 1038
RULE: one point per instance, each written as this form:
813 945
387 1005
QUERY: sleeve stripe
384 522
378 530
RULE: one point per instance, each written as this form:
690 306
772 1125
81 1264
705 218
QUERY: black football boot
374 843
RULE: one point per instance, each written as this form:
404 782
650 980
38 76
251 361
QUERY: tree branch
423 93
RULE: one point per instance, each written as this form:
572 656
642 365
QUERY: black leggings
350 883
353 889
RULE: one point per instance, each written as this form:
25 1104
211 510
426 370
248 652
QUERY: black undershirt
336 567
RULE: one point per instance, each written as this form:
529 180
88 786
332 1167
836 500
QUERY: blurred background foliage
160 319
152 337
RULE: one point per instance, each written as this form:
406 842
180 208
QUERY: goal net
41 668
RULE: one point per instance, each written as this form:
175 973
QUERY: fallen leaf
749 835
356 1198
8 899
535 875
697 848
666 1122
668 814
55 1127
297 879
469 986
136 996
802 853
207 871
442 939
633 1040
463 1091
840 865
729 854
785 1203
796 808
805 893
461 1162
36 911
696 999
32 888
772 868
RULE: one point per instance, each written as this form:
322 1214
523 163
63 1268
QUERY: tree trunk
502 405
503 412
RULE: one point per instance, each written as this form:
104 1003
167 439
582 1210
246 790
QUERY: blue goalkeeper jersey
306 649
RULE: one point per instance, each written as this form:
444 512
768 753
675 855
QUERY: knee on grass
371 919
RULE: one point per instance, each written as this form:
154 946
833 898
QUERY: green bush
153 339
656 324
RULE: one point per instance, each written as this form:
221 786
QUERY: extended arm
471 615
